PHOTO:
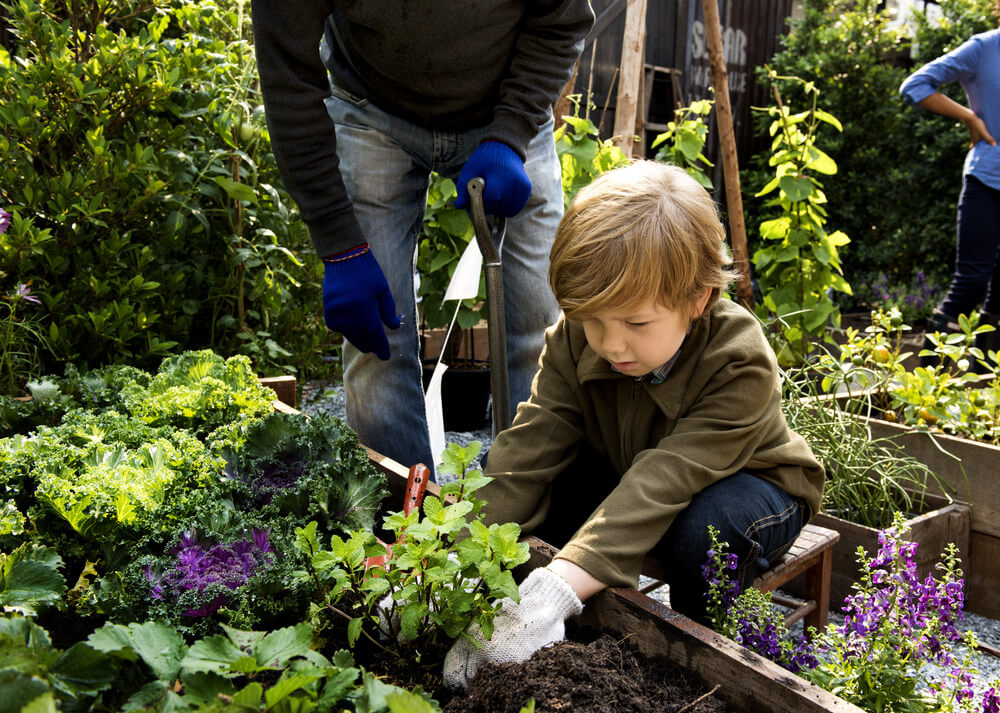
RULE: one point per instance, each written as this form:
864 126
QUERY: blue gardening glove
357 301
507 183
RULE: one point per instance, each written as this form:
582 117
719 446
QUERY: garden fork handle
494 304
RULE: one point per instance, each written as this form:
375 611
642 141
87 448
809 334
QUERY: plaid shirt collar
659 374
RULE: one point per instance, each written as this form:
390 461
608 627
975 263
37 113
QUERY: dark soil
604 675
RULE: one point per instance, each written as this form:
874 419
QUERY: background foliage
147 214
900 167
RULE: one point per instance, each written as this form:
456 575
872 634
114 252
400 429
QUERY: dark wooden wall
675 38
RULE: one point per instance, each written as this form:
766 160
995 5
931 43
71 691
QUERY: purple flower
23 291
991 701
4 221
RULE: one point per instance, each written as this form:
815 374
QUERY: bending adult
363 101
975 284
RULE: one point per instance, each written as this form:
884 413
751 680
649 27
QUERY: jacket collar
668 396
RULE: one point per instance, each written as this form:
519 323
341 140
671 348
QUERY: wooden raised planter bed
745 681
971 473
932 531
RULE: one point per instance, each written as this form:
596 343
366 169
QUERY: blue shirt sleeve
959 65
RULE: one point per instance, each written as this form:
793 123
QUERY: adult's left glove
357 300
519 630
507 184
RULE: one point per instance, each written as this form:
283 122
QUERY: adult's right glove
519 630
357 300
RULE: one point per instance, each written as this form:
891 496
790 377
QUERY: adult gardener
364 100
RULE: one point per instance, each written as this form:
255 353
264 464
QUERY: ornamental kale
307 468
204 576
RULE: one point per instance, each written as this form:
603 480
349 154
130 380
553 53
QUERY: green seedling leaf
278 647
213 654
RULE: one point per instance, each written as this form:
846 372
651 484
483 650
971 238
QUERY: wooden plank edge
747 681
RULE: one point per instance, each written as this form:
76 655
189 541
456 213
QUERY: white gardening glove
519 630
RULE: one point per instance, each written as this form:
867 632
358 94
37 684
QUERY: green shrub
900 167
147 211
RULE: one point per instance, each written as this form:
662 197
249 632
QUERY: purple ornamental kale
4 221
207 569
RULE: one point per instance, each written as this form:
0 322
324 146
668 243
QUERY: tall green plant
900 166
683 143
583 155
148 212
799 264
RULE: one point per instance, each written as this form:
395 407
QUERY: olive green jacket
717 412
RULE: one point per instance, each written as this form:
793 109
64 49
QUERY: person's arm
946 106
294 86
548 45
583 582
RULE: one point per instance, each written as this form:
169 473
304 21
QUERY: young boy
655 413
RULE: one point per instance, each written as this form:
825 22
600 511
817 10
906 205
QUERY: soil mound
605 675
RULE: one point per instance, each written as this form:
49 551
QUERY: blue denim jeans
759 520
976 280
386 163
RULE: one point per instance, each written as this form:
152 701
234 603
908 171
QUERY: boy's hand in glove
519 630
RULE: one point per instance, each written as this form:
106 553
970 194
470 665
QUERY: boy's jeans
759 520
386 162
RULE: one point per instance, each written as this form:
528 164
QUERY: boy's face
642 337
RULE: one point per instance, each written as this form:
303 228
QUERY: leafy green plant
683 143
949 396
30 579
799 266
583 155
147 211
36 675
433 583
150 666
445 234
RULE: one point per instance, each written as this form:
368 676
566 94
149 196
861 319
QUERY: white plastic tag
435 412
465 282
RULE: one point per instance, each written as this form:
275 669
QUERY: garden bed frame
744 680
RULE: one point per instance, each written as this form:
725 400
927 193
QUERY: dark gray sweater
443 65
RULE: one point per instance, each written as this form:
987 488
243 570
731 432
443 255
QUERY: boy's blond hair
645 230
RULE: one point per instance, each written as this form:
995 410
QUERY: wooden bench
811 554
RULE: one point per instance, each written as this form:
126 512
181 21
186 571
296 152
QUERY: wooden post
632 66
727 145
563 106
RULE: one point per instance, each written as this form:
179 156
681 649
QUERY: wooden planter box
968 471
971 473
746 681
932 531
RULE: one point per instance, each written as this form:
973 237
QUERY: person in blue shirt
975 284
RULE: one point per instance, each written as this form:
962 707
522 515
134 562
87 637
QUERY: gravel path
331 399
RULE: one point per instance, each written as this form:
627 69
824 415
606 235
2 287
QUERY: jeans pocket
353 99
